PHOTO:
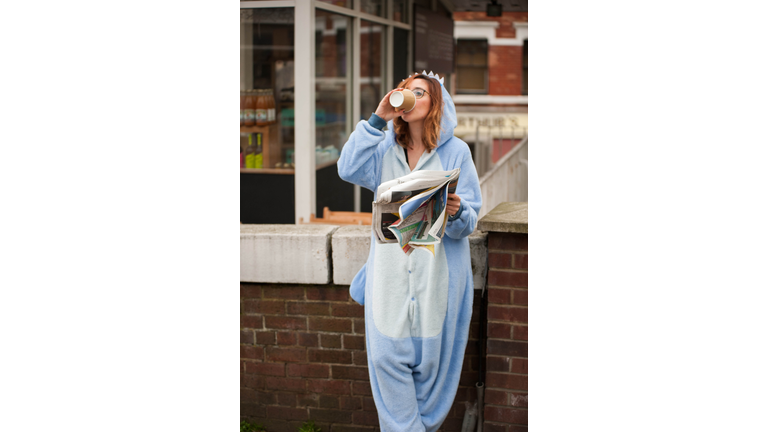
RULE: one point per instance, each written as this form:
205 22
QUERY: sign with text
433 41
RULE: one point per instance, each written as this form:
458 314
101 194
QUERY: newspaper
410 210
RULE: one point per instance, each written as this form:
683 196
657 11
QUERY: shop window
524 90
372 62
332 85
472 66
342 3
400 11
373 7
266 86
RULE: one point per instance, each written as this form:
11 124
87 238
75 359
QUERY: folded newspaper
410 210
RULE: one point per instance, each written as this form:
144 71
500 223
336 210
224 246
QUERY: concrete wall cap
509 217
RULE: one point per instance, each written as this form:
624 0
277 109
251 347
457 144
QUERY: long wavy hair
432 128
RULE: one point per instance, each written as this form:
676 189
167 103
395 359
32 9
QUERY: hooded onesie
417 306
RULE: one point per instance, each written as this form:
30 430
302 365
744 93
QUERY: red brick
246 337
308 308
491 427
328 401
509 381
499 295
329 356
520 333
252 410
520 366
507 415
286 384
328 293
508 279
348 310
287 293
265 338
507 241
328 386
350 403
267 307
347 428
251 352
365 418
286 399
252 381
520 297
308 339
509 314
307 400
262 398
349 372
270 369
290 323
521 261
330 341
309 370
361 388
286 338
354 342
498 364
339 325
499 260
250 291
452 424
502 347
496 397
369 404
518 399
359 325
286 413
360 358
251 321
499 330
279 354
332 416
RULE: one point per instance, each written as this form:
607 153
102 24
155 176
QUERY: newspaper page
410 210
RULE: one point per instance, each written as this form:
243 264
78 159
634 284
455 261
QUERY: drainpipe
480 385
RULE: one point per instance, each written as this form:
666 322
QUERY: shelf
282 170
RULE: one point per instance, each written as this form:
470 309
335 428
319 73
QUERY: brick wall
506 379
302 357
505 70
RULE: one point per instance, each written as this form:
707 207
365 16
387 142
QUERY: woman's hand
453 204
385 110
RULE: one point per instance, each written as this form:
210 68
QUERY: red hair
431 123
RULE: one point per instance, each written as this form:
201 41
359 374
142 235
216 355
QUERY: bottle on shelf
250 109
242 108
261 108
258 152
242 158
250 153
271 114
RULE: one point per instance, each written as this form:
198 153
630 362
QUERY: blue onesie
417 306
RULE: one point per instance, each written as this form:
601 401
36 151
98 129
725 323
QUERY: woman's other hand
385 110
453 204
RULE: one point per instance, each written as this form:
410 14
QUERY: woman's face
423 105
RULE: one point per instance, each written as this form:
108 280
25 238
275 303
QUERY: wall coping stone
322 254
511 217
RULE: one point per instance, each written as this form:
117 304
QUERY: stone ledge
286 253
307 253
511 217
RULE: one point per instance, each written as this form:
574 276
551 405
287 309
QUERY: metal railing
507 179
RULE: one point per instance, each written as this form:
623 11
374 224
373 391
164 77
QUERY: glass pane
373 7
332 85
342 3
371 67
470 78
400 57
471 52
266 65
399 10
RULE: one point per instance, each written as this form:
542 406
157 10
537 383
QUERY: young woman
417 306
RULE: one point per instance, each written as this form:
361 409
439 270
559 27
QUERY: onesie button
409 271
413 298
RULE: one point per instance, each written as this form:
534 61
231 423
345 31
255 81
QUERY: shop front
309 71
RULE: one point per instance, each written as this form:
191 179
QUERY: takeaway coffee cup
402 100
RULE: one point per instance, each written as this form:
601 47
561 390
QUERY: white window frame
304 79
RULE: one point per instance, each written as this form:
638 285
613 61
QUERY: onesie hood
449 121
